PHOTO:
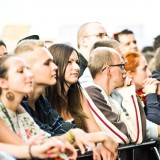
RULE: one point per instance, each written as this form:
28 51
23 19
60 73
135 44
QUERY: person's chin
121 84
74 81
29 90
53 82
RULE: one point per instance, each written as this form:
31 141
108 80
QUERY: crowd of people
55 100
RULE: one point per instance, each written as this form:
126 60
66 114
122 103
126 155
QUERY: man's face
94 33
118 73
44 70
128 42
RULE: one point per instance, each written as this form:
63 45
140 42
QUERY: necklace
21 132
4 110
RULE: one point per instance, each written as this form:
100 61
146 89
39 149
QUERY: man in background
127 40
87 35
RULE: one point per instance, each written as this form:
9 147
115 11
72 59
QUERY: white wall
60 19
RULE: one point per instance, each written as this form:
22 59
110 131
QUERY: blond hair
25 48
98 58
28 45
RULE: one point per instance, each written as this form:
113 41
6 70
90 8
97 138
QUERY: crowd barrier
148 150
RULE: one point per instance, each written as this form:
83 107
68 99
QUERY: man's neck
33 96
104 84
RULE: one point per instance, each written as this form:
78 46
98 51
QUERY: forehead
15 62
42 54
73 55
95 28
142 61
124 38
2 47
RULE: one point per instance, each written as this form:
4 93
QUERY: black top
83 64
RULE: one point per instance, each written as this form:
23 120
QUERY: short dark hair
156 43
147 49
34 37
2 44
157 59
125 31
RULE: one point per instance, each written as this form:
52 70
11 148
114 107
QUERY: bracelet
30 151
70 137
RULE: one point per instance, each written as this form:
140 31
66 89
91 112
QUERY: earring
10 96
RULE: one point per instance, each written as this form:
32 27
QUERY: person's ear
3 83
107 71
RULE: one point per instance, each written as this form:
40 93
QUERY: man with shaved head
124 124
87 35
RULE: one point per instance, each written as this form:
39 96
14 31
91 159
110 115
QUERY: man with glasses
113 65
152 129
87 35
124 124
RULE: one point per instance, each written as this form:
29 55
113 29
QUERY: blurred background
58 20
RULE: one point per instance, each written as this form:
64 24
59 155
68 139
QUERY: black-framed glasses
121 66
100 35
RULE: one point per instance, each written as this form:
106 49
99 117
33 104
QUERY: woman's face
72 69
20 78
142 72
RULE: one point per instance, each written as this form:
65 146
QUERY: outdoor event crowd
58 102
